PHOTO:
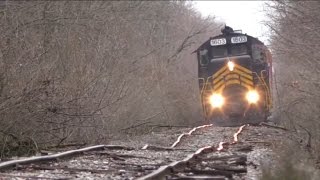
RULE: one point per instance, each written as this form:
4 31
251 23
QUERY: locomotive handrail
268 97
268 90
201 96
204 87
205 84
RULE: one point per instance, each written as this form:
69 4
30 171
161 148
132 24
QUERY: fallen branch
238 161
309 136
72 169
202 177
211 172
247 148
66 145
114 155
273 126
140 166
219 158
134 126
229 168
168 126
261 142
145 121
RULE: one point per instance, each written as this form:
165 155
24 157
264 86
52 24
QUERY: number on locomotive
218 42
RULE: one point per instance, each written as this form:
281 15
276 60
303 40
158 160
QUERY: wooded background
82 72
295 45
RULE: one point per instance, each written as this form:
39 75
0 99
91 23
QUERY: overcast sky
245 15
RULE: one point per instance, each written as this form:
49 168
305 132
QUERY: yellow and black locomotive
235 77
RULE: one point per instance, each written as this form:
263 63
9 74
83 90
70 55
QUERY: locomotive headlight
231 65
252 96
216 100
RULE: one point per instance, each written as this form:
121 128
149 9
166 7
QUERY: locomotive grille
239 75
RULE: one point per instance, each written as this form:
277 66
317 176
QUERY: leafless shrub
289 163
295 45
81 71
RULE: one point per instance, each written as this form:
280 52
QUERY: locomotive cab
234 78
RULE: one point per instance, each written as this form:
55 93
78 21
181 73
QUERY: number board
239 39
218 42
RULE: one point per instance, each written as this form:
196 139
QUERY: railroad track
204 152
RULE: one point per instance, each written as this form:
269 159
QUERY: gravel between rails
255 142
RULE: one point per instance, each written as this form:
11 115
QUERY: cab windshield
222 51
219 51
239 49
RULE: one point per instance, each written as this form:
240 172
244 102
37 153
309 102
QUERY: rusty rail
51 157
167 169
188 134
164 170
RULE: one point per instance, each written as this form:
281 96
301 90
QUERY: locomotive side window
204 58
239 49
219 51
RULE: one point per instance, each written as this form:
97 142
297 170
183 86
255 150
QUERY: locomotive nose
235 105
235 109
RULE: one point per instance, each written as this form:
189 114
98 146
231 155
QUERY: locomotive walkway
204 152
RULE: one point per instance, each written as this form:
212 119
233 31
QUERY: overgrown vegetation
290 163
82 71
286 171
295 45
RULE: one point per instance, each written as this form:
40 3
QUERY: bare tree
84 71
295 44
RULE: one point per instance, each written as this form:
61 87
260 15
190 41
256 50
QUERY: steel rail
52 157
163 171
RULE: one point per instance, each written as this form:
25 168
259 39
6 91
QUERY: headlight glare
252 96
216 100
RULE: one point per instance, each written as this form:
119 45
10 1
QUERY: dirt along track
204 152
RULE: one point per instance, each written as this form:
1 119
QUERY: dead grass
293 163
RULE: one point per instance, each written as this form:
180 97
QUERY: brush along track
207 153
